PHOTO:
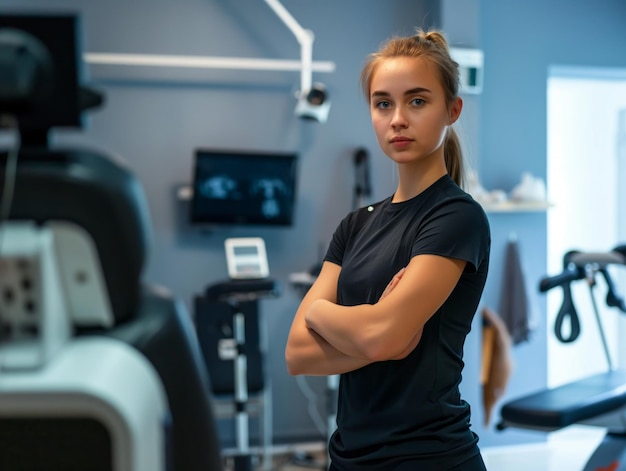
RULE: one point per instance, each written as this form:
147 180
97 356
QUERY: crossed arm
326 338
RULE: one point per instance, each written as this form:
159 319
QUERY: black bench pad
568 404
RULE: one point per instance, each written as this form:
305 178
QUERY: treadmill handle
568 275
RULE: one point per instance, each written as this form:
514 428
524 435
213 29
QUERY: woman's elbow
389 347
376 343
292 367
376 350
293 370
293 362
385 353
403 352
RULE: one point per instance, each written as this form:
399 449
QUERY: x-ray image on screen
219 187
243 188
272 191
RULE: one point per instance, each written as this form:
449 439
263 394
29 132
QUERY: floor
567 450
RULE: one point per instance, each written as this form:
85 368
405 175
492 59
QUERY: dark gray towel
514 299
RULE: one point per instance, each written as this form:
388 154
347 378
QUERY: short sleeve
456 228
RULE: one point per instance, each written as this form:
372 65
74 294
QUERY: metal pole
591 281
243 461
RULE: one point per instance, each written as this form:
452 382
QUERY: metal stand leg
243 460
332 385
610 454
235 293
266 416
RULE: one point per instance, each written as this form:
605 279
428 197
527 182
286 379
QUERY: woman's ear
455 110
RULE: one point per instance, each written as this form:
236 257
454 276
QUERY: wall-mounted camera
313 104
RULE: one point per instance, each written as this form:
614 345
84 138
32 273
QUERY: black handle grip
567 276
612 298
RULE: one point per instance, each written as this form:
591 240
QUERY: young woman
401 281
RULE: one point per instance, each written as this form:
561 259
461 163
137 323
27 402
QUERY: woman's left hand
393 283
418 335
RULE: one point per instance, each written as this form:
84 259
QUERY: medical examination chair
99 370
598 400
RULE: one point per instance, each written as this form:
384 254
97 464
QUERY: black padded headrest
97 193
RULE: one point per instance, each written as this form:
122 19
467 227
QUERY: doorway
586 173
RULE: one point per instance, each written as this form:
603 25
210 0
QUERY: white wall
582 177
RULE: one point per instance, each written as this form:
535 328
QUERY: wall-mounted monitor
243 187
40 58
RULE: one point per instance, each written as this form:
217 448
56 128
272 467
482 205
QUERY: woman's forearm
312 355
343 327
306 351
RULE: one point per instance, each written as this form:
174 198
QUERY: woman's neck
412 180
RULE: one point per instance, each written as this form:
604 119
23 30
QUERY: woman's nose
398 119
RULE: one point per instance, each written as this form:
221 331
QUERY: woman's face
409 111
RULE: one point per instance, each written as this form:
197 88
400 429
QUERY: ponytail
454 157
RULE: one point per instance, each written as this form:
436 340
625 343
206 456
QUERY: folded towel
514 300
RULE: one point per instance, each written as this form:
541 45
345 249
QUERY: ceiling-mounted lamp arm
306 54
304 37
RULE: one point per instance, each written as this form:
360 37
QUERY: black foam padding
568 404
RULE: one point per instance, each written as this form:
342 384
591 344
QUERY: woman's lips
400 141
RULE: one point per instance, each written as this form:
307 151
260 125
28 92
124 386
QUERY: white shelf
517 206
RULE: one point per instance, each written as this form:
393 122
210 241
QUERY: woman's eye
417 102
383 104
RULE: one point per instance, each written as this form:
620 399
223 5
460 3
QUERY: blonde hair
433 46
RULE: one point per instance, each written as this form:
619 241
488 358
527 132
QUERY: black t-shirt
408 414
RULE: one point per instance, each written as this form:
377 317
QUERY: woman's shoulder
447 193
459 208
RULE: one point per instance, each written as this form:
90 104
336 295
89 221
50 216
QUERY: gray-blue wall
521 40
155 118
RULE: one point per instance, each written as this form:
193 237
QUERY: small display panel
246 257
235 187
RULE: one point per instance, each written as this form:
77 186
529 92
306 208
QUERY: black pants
475 463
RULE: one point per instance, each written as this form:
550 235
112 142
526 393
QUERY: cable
312 407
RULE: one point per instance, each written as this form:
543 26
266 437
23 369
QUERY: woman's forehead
395 73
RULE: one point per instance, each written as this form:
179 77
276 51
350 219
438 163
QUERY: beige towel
497 362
